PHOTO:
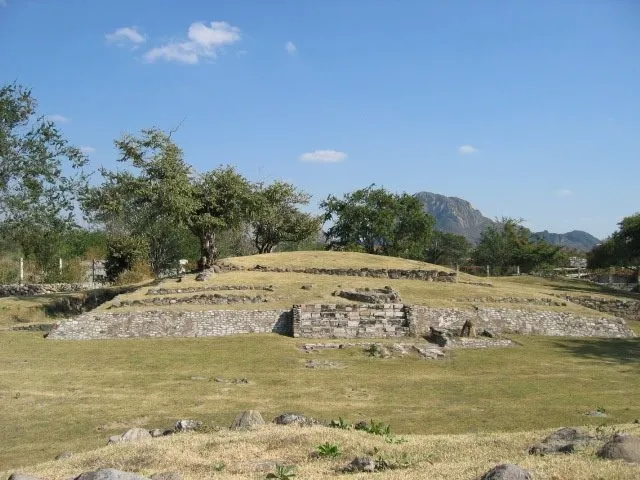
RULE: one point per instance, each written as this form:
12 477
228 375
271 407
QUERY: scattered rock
507 471
216 269
198 378
157 432
114 439
362 425
204 275
441 337
247 420
110 474
624 447
22 476
565 440
361 464
167 476
596 413
294 418
187 425
487 333
64 455
322 364
307 286
429 352
135 435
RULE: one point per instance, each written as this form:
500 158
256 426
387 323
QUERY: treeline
621 249
156 209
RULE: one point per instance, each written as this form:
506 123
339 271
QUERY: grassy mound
235 455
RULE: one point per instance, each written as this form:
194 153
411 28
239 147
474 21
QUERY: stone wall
625 308
523 322
348 321
41 289
213 323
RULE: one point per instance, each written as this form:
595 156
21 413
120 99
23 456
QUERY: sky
528 109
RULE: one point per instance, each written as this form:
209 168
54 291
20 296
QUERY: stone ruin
371 295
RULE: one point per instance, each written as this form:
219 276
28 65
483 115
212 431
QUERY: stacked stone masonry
17 290
213 323
335 321
625 308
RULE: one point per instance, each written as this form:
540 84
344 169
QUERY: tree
163 187
622 248
377 221
448 249
41 173
276 218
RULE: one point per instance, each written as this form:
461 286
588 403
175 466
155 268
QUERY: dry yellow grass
250 455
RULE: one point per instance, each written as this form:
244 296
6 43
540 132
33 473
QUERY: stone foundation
16 290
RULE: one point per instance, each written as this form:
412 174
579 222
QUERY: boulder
293 418
114 439
507 471
246 420
135 435
361 464
623 447
204 275
109 474
187 425
156 432
565 440
22 476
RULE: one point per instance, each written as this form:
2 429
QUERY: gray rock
204 275
565 440
307 286
157 432
135 435
507 471
22 476
64 455
361 464
109 474
187 425
167 476
114 439
624 447
293 418
246 420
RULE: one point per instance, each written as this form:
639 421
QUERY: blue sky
527 109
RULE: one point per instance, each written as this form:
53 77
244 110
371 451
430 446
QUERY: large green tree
622 248
161 187
41 173
448 249
276 217
375 220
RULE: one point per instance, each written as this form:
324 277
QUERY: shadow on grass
625 351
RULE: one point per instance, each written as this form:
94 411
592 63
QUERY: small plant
341 423
219 466
395 440
283 472
379 428
329 450
601 410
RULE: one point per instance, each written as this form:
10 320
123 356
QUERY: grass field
66 395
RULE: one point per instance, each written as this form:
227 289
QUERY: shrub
123 253
329 450
136 274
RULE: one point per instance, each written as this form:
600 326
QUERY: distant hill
456 215
576 239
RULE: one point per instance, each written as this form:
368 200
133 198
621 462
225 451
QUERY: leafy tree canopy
620 249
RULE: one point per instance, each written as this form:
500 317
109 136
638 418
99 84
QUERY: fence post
518 270
60 265
457 272
21 270
487 270
93 272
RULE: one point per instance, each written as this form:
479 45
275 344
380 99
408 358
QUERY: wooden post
487 270
60 265
518 270
457 272
21 270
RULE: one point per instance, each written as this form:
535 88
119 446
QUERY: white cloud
291 48
203 42
125 36
87 149
58 118
323 156
467 149
564 192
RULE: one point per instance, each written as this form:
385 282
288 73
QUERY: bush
123 253
136 274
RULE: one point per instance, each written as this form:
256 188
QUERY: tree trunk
208 250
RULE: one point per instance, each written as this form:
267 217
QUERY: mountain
576 239
456 215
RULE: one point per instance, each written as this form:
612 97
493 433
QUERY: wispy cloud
3 3
87 149
204 41
126 36
323 156
564 192
291 48
467 149
57 118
